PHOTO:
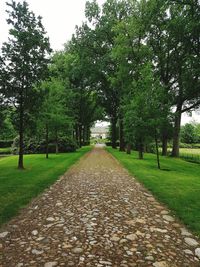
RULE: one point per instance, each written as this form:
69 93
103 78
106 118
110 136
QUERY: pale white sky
59 20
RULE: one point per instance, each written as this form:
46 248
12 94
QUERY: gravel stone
191 242
77 250
197 252
51 264
3 234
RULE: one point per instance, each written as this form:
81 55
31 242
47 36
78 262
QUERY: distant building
100 132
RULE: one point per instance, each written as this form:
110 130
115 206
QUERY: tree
174 37
25 59
54 115
7 130
145 111
189 134
100 42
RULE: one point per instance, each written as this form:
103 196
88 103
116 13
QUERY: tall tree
101 42
174 37
25 59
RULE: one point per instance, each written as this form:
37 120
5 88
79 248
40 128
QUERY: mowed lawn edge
177 185
18 188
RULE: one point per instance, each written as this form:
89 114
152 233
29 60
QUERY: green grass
177 185
195 151
19 187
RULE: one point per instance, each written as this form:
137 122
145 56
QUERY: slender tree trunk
88 134
128 149
77 134
140 150
176 136
80 135
21 136
121 136
57 150
84 135
157 151
47 141
114 132
164 145
145 148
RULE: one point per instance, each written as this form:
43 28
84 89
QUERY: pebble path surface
97 215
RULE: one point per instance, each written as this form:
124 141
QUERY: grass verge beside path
177 185
17 187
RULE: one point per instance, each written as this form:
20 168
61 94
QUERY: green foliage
24 63
189 133
142 118
38 146
24 56
7 130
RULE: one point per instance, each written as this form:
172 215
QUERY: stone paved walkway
97 215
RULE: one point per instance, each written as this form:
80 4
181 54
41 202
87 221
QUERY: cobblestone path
96 215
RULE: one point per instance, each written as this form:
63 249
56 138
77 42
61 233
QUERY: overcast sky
59 19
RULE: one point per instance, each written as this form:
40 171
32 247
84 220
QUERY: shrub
33 146
110 143
5 143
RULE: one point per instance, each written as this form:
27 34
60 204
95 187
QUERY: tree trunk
88 134
164 145
114 132
84 135
140 150
57 150
21 136
128 149
77 134
47 141
121 136
176 136
157 151
80 135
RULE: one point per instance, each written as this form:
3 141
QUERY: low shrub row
5 143
33 146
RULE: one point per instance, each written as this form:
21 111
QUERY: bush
33 146
110 143
5 143
184 145
5 151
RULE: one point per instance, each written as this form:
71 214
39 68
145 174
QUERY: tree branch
191 107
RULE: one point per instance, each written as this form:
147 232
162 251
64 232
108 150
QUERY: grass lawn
17 187
195 151
177 185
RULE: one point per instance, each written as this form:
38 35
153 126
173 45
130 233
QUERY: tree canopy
134 62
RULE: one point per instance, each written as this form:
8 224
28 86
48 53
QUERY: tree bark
164 145
140 150
157 151
57 150
114 132
80 135
77 134
47 141
121 136
176 135
128 149
88 134
21 136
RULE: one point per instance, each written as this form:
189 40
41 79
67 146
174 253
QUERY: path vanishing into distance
97 215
